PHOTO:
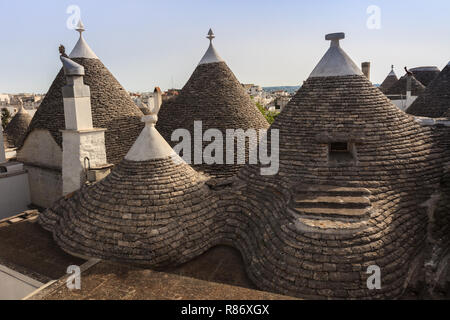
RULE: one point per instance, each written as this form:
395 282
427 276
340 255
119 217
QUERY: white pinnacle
335 62
82 49
150 144
211 54
392 73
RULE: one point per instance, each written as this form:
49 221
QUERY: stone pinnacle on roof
211 54
335 62
392 73
390 80
82 49
150 144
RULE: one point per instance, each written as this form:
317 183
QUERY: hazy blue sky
145 43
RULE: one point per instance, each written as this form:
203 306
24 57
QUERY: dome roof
425 74
17 127
347 193
399 88
435 100
112 108
390 80
151 210
214 96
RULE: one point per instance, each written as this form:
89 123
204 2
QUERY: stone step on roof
345 212
332 202
303 201
327 190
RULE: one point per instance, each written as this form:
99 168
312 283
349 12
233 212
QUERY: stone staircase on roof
331 202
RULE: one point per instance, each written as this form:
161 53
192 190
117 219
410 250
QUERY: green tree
6 117
269 115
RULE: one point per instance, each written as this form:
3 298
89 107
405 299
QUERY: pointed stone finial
211 54
211 35
80 27
82 49
392 67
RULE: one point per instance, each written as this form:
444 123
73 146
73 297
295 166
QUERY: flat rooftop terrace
218 274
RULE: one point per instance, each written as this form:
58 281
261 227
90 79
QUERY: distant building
405 91
435 100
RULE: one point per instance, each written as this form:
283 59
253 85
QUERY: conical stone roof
390 80
151 210
17 127
214 96
435 100
112 107
323 219
425 75
399 88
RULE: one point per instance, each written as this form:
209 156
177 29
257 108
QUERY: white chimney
2 146
365 66
409 98
83 145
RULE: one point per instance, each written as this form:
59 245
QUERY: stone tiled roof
311 230
112 108
399 88
17 128
425 75
390 80
435 101
214 96
152 213
322 248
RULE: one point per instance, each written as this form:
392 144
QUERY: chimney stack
365 66
83 145
2 146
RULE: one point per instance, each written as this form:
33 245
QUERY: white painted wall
404 104
41 149
42 158
14 285
14 194
77 145
45 186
